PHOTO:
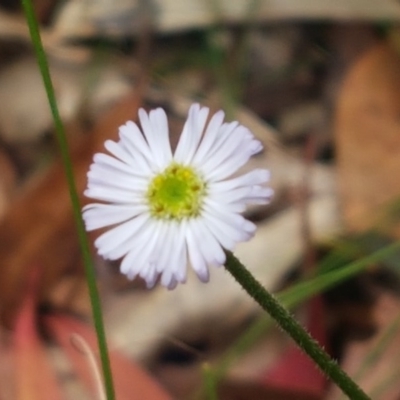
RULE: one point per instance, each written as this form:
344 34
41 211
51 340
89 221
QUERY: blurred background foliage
318 83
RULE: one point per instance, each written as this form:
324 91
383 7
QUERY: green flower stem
83 240
293 328
209 382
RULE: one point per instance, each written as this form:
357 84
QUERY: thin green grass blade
209 382
83 240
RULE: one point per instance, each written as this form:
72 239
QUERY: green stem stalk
83 240
210 383
293 328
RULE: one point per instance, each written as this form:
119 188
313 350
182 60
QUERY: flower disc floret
176 193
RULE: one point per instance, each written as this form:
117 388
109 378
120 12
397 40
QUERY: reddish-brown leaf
130 381
34 376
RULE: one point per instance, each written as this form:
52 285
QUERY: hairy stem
268 302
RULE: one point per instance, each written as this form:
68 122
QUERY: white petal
140 238
163 256
113 195
113 174
229 166
124 151
150 275
209 138
259 195
119 152
110 239
133 141
237 143
166 278
256 147
172 285
152 139
129 183
179 256
226 235
224 135
132 135
210 248
138 257
111 162
233 195
234 207
157 260
100 215
254 177
191 134
221 215
159 122
221 212
172 257
196 257
177 259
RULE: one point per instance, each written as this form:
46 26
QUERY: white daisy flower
166 208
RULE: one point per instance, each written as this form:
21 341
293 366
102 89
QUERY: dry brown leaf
8 180
367 133
39 228
35 378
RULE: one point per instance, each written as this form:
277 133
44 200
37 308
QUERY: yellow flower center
177 193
